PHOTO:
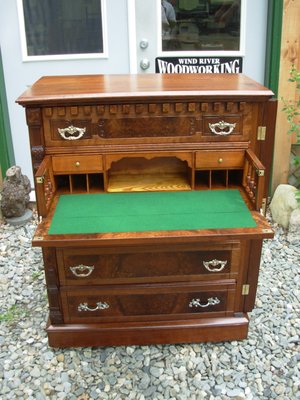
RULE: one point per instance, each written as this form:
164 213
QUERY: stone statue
15 193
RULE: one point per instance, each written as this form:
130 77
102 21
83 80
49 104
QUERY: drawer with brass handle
225 127
77 164
220 159
83 267
155 302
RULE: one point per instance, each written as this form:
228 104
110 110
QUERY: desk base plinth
162 332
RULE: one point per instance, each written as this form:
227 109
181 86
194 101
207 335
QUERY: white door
203 28
132 37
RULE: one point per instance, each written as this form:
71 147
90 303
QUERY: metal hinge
264 206
245 290
39 238
261 133
40 179
260 172
267 231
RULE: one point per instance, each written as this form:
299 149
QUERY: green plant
13 314
36 274
292 110
292 107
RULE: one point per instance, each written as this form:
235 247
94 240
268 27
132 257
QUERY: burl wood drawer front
168 122
220 159
140 302
231 121
90 125
77 164
223 127
82 267
226 122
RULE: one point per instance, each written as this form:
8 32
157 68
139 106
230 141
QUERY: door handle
145 63
144 44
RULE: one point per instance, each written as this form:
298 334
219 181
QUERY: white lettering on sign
198 66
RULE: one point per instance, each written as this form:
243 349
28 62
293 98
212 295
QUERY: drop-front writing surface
155 135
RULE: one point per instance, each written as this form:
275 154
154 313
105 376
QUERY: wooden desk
150 133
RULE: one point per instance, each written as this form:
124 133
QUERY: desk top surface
92 88
150 211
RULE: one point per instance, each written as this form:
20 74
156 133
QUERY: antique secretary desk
150 190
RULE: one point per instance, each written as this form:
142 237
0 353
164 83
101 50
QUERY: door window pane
201 25
56 27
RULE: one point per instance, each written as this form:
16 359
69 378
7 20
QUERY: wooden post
290 54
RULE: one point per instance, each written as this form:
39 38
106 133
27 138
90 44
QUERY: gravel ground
265 366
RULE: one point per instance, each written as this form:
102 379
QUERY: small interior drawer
220 159
133 303
77 164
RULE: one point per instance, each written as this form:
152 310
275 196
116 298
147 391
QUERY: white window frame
205 53
81 56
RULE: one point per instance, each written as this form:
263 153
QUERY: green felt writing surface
150 211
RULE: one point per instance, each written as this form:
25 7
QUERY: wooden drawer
118 123
77 164
220 159
229 121
223 127
83 267
167 122
144 302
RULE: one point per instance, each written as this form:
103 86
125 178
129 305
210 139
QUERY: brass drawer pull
212 301
71 132
222 128
99 306
79 270
214 265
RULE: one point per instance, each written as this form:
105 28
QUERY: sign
198 65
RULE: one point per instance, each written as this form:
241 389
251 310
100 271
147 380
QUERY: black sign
198 65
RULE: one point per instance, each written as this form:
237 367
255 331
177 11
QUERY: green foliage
13 314
292 110
36 274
